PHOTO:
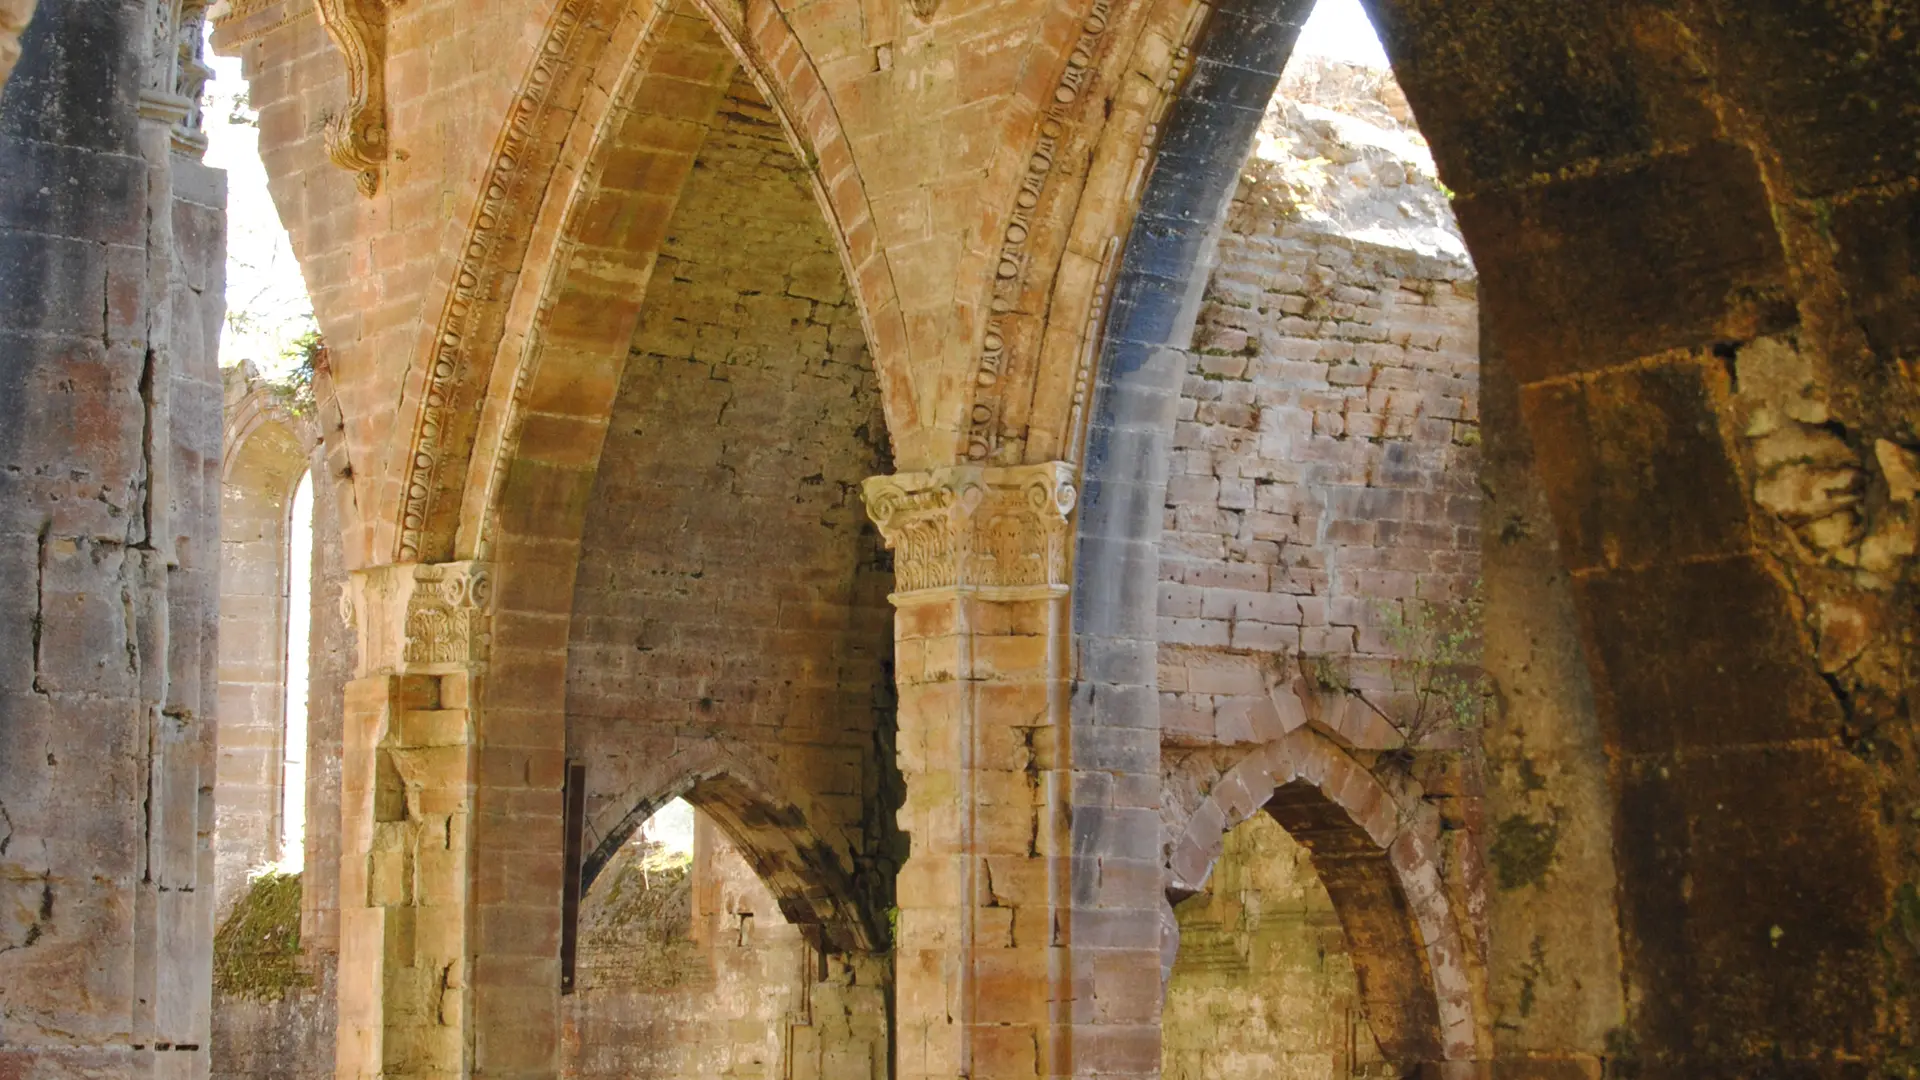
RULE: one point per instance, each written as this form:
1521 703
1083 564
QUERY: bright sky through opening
293 765
1339 30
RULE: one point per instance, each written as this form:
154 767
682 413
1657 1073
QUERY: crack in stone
148 378
40 604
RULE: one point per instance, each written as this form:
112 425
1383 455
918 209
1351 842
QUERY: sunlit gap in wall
1340 30
671 827
293 765
267 305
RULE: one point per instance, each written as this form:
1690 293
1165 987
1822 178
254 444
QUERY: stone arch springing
1377 855
266 458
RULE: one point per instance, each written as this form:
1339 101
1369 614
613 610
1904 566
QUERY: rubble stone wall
1263 986
1321 534
1325 463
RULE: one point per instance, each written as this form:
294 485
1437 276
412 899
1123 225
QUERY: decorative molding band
357 138
239 22
1011 264
490 242
420 618
997 532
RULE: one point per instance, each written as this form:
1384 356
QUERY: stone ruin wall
112 236
267 444
683 970
1326 452
692 973
1325 470
292 1037
1264 986
730 614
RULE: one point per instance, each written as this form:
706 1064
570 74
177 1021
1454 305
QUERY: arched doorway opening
1315 381
1353 853
1264 983
730 636
266 586
688 965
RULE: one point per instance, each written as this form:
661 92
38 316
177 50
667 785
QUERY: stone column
111 254
982 951
409 768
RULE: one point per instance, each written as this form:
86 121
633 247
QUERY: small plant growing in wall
1327 675
256 953
1435 667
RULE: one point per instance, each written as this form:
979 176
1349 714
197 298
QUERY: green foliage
296 389
256 953
1436 666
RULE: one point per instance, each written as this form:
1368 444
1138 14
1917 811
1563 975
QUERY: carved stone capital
421 618
176 72
1000 533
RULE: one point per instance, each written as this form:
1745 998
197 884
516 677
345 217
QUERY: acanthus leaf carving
999 532
422 618
176 72
357 138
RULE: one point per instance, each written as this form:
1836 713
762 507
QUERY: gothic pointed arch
1377 855
780 830
1668 270
558 246
267 450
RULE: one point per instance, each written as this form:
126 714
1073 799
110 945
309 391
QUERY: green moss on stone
1522 851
